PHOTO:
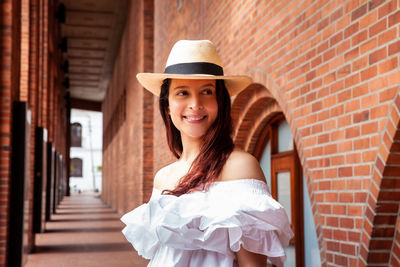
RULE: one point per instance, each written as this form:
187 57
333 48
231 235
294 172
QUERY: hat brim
153 81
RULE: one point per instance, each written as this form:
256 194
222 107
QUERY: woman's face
193 106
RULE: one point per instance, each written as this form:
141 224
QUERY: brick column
10 12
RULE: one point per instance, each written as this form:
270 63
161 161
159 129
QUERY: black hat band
195 68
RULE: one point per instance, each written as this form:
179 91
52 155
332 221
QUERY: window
76 167
282 169
76 135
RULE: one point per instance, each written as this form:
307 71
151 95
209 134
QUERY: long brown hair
217 142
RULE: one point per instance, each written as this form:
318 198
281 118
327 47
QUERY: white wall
91 149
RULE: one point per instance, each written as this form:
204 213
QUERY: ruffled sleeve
140 227
224 218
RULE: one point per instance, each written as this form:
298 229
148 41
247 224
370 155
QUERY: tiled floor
84 232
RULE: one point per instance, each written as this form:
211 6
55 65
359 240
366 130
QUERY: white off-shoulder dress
206 228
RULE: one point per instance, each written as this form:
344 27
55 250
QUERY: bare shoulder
160 177
241 165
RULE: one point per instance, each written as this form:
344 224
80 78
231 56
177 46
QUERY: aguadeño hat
193 59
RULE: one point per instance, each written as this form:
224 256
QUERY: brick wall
46 97
9 77
332 69
127 116
29 74
33 103
40 83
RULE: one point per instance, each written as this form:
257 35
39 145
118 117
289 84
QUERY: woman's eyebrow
208 85
181 87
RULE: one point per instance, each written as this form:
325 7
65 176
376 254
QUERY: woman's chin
194 135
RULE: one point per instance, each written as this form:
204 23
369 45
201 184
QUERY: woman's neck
191 148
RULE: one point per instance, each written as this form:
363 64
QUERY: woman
211 207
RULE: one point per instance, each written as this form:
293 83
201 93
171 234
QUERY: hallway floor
84 232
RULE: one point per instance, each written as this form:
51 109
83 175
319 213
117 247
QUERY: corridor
83 232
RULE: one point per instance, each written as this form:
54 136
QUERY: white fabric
206 228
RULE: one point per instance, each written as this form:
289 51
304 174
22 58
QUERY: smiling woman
212 206
192 106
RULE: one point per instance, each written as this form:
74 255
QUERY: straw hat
190 59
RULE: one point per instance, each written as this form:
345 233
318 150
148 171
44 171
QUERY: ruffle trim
221 220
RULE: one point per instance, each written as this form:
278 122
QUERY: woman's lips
194 119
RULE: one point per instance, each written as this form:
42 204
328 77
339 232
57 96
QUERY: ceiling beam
85 104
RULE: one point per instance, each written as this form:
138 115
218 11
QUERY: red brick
377 56
353 28
352 80
336 87
360 197
352 132
339 210
329 54
368 46
369 128
369 73
352 105
369 19
344 121
377 28
362 170
353 185
360 63
359 38
332 222
394 48
361 116
394 78
345 171
336 39
378 112
361 143
343 22
339 235
359 12
354 53
353 158
344 96
387 8
333 246
374 4
387 36
369 101
343 47
388 65
378 83
368 156
336 15
394 19
324 138
316 61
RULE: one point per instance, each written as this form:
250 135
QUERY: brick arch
380 243
251 112
253 122
245 98
269 110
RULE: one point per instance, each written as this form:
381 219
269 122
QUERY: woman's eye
182 93
208 92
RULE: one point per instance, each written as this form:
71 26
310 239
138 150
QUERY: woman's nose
196 102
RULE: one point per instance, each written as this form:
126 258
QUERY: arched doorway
261 129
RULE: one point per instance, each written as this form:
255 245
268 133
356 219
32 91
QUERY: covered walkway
83 232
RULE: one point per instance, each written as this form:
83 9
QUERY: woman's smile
194 118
